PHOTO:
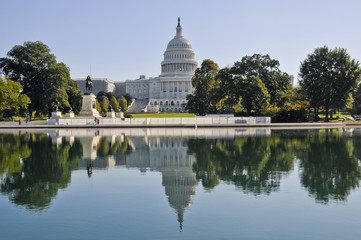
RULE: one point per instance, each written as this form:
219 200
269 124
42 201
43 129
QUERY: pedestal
55 115
88 108
69 115
119 114
111 114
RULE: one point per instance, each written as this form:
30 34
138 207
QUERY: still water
181 184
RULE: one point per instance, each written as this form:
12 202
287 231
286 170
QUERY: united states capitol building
169 90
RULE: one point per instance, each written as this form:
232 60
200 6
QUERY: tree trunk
31 106
326 118
316 114
30 112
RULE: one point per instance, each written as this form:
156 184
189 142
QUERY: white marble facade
166 92
169 90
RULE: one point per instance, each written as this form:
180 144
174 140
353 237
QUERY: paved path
270 125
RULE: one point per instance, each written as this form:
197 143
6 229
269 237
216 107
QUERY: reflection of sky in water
129 195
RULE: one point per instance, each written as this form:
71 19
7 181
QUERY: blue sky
121 40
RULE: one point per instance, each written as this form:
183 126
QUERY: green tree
43 79
104 104
74 96
328 76
123 104
102 94
255 96
114 103
278 83
11 99
357 100
97 105
129 98
203 82
224 92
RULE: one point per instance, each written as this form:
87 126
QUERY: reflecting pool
180 184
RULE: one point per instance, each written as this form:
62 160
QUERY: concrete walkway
259 125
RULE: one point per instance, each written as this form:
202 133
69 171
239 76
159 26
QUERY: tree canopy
11 98
255 96
203 82
329 76
123 104
104 104
43 79
277 83
253 83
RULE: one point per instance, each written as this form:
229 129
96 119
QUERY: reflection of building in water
167 155
92 146
180 185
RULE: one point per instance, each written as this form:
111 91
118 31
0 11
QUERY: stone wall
119 89
196 121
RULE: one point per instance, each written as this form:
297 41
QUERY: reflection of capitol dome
179 56
168 155
180 187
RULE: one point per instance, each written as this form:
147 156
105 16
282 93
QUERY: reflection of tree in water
13 148
329 167
44 171
107 148
329 162
256 164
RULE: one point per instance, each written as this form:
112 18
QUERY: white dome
179 56
179 43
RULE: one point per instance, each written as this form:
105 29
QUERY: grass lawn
161 115
17 118
335 116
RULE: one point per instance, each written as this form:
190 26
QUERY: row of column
177 67
175 86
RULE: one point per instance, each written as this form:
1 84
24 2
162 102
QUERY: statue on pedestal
88 84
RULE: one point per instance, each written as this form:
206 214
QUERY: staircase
139 105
